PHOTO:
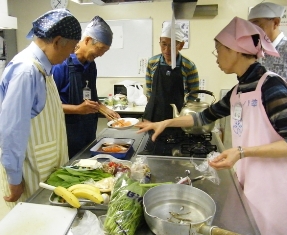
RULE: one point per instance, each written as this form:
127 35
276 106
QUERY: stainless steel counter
232 211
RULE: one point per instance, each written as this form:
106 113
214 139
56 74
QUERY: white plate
132 120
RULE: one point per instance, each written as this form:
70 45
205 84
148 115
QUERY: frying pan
180 209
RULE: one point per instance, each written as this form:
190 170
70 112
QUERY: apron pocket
46 158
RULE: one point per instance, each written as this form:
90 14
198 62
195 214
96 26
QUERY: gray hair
86 34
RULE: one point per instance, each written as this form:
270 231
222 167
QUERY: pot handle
213 230
200 91
220 231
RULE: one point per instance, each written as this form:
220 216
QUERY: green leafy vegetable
67 177
125 211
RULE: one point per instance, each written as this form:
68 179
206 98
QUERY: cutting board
37 219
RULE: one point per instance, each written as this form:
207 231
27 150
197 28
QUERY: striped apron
47 146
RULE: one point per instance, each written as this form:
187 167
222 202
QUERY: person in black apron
167 83
81 129
76 83
167 88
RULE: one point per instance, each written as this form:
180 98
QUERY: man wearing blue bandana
33 137
76 82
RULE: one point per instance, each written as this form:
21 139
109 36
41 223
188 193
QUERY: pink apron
264 180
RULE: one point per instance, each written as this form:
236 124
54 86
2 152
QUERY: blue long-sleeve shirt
62 78
22 97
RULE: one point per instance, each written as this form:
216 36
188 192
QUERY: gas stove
180 144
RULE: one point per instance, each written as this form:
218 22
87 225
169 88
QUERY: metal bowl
177 209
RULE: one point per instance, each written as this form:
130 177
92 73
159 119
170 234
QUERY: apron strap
41 70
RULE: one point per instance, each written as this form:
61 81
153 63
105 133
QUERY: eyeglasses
215 51
164 45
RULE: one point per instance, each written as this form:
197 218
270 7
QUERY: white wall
202 31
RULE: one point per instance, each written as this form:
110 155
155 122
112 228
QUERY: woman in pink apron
258 109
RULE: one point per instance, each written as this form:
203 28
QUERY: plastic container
110 100
95 149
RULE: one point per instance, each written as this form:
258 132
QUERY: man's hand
16 192
111 114
87 107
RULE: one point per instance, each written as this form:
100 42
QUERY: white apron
47 146
264 180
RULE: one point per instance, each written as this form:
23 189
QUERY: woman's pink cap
237 36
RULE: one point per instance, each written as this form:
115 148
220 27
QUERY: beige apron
47 146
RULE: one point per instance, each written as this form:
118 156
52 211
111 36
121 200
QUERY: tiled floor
3 208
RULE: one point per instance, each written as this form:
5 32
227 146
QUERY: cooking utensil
195 106
180 209
30 218
110 116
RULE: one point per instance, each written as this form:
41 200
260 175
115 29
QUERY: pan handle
220 231
208 230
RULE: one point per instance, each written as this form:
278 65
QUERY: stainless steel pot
195 106
176 209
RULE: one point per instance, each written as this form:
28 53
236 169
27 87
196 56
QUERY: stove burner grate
180 144
198 149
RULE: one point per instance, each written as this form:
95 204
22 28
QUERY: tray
95 150
85 204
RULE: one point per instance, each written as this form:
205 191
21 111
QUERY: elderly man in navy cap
268 16
76 82
33 137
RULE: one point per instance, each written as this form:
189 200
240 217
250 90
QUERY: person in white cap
164 85
33 136
268 16
76 82
258 112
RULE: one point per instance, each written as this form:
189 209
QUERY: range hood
6 22
184 9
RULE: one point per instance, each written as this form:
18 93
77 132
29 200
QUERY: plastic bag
125 211
140 170
208 172
141 99
135 95
89 225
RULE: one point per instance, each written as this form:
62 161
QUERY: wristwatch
240 149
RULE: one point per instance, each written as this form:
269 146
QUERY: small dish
133 121
95 150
